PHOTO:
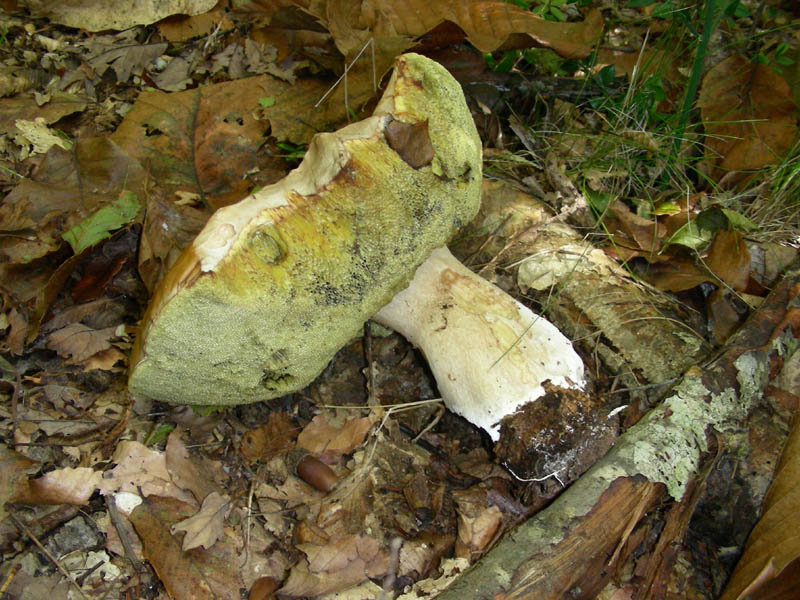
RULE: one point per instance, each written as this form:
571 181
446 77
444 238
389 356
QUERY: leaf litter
163 135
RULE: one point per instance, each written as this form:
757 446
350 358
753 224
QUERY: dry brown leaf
390 26
186 470
104 360
677 275
62 486
202 140
319 437
24 106
206 526
478 522
335 566
722 315
748 114
79 342
729 259
418 557
205 140
643 236
67 187
183 27
26 586
92 15
272 439
14 470
774 542
488 24
195 575
475 533
141 469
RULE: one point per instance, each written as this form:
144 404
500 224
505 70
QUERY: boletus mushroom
276 284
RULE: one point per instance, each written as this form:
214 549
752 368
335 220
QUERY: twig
437 417
14 570
347 68
119 525
46 552
371 393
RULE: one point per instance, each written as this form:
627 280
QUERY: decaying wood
558 553
589 296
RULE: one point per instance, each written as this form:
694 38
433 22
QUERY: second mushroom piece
275 285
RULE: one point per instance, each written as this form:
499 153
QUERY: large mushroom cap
273 286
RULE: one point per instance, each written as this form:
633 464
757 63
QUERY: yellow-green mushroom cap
275 285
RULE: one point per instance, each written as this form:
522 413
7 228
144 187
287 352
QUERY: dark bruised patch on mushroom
346 176
276 380
411 142
351 289
326 294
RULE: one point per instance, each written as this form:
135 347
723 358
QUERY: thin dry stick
247 523
122 532
372 393
347 68
9 577
46 552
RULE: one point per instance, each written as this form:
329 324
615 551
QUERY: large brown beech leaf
748 114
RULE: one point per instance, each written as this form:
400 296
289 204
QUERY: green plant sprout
294 152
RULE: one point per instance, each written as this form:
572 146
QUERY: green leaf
266 102
712 219
99 225
640 3
691 236
663 10
738 221
599 201
666 208
159 434
606 75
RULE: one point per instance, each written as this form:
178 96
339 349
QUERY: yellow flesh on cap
273 286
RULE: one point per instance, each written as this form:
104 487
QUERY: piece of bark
558 553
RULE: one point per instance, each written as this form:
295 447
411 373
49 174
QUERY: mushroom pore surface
273 286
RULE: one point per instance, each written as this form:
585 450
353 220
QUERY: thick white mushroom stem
489 353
